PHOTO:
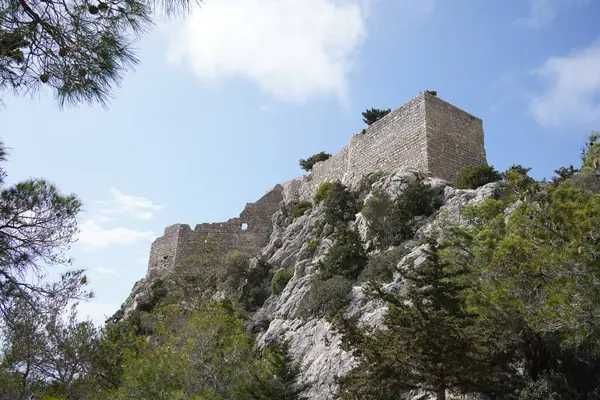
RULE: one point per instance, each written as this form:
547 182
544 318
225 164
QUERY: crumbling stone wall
427 133
247 233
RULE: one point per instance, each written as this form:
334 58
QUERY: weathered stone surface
426 134
314 345
248 233
427 138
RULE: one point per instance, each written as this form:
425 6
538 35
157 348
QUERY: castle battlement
426 133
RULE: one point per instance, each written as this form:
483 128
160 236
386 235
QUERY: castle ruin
427 133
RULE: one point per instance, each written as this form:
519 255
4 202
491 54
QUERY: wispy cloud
571 90
106 229
125 205
292 49
94 236
542 12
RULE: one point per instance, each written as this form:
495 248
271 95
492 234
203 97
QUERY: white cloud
292 49
93 235
571 94
542 12
135 207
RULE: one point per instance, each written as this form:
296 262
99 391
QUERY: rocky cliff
314 343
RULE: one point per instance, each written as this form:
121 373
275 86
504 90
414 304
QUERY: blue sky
226 101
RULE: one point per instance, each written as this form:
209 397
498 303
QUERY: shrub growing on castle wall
308 164
300 208
475 176
374 114
280 280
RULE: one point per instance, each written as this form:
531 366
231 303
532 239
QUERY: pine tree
79 50
432 342
278 381
374 114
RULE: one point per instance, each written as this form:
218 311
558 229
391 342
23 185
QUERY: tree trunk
441 393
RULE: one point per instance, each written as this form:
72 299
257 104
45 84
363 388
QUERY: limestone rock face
313 343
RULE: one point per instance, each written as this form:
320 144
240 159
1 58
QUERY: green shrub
322 192
340 205
281 278
235 266
368 180
158 291
474 176
300 208
382 266
420 199
374 114
377 209
255 291
313 244
309 163
347 257
325 298
548 387
564 174
393 221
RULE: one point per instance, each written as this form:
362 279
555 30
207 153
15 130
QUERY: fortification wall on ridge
247 233
426 133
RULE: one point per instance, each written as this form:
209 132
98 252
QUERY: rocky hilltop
299 244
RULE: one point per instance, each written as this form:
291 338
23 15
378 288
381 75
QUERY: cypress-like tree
278 380
432 342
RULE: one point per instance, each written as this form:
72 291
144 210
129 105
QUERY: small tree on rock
374 114
307 164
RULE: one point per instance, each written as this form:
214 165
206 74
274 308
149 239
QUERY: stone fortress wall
427 133
248 233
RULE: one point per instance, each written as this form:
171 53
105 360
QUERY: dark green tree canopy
78 48
307 164
374 114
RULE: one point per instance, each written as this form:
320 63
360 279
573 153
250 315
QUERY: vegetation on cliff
503 302
308 164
